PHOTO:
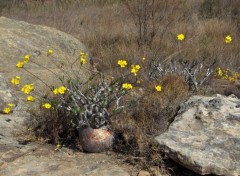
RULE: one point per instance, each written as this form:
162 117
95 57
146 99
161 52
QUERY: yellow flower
50 51
127 86
232 79
62 89
30 98
47 105
219 72
83 57
6 110
15 80
180 37
20 64
122 63
228 39
158 88
82 53
10 105
135 69
55 91
26 58
83 61
58 147
27 88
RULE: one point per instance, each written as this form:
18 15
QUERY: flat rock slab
205 136
19 158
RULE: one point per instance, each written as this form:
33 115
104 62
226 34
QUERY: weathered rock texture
6 94
19 38
205 136
20 157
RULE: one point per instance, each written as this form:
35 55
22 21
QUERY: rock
18 38
20 156
143 173
6 94
205 135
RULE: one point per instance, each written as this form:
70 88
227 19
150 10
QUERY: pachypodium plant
195 73
91 102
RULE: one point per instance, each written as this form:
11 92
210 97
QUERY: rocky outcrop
205 135
18 38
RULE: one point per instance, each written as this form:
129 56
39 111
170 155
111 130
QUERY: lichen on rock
205 136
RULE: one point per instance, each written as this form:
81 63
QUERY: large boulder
205 135
18 38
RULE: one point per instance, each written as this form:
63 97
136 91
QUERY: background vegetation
114 29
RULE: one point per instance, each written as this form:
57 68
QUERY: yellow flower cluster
8 109
135 69
60 90
227 74
27 88
83 57
47 105
26 58
127 86
122 63
21 63
15 80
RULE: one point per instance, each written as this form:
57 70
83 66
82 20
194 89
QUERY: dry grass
111 32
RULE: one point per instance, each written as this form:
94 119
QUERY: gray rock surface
205 135
6 94
18 38
20 157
